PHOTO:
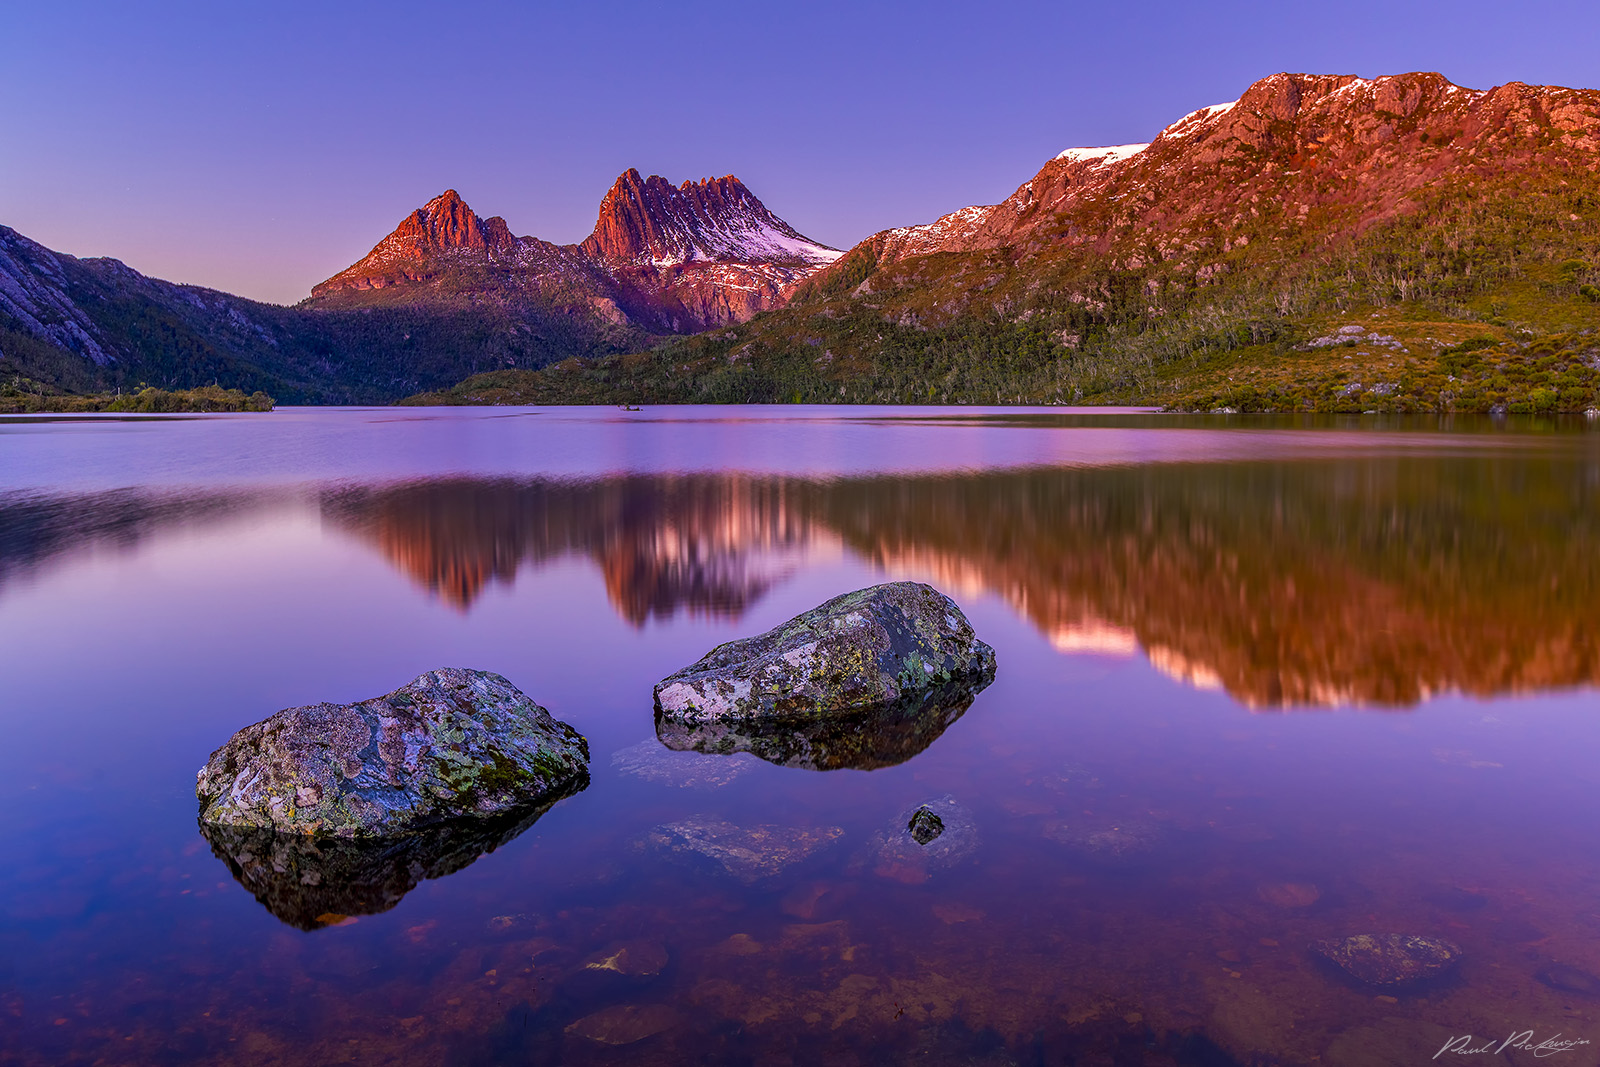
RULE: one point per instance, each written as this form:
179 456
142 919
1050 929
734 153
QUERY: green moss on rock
452 744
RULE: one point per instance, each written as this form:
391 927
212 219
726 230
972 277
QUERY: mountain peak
744 257
651 222
443 228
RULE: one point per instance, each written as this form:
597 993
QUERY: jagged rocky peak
669 258
651 222
446 223
444 228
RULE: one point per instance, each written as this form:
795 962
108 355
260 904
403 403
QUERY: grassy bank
23 397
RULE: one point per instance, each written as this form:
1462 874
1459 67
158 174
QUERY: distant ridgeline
1323 243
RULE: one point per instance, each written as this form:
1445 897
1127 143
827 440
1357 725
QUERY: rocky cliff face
668 258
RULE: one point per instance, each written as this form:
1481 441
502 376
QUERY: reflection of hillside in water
1373 580
708 545
1376 581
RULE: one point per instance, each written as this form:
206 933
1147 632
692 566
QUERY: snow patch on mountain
750 240
1199 117
1103 156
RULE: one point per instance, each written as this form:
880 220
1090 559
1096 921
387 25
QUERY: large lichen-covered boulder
453 744
865 649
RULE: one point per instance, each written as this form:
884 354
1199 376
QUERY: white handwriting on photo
1550 1046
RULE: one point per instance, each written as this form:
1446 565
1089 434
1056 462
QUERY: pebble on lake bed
1390 960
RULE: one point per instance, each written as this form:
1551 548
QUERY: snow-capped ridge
1199 116
1103 156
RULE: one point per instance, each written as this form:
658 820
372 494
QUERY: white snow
1204 114
929 236
1103 156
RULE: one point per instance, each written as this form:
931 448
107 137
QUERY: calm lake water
1261 682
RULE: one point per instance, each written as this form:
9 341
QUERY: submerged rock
1390 959
1289 894
864 649
1125 841
625 1024
863 739
749 854
635 959
453 744
668 766
1569 979
311 882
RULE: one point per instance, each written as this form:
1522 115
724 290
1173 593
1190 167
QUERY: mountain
666 258
88 325
446 295
1234 261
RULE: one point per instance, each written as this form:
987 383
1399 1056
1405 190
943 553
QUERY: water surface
1261 682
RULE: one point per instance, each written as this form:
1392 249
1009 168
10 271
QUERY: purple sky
261 147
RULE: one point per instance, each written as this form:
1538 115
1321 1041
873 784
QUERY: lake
1263 683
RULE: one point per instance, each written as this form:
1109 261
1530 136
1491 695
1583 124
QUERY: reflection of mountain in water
1372 581
1375 581
711 545
864 740
311 882
1363 580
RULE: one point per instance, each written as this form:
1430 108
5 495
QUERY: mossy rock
870 648
453 744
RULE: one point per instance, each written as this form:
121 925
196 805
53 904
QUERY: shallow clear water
1261 683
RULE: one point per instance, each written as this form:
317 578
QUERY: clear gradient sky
261 147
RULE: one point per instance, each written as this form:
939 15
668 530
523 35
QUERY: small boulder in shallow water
925 826
872 647
453 744
1390 960
930 837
